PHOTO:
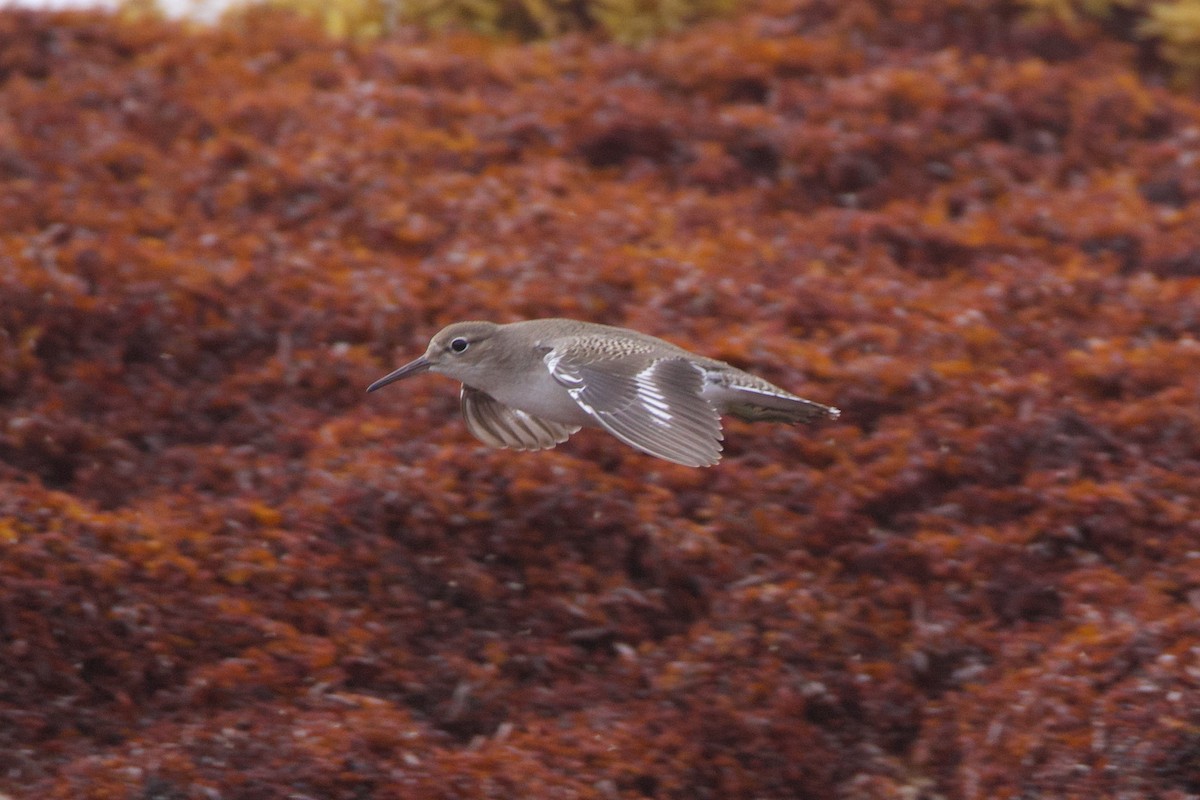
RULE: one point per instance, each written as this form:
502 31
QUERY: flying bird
530 385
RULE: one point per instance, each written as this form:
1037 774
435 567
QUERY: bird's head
456 351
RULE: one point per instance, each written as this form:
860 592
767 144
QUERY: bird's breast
542 396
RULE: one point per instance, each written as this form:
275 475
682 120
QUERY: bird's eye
459 344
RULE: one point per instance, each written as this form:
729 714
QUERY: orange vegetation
227 572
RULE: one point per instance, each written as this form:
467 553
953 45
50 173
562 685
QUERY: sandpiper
530 385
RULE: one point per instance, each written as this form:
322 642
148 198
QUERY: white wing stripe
659 410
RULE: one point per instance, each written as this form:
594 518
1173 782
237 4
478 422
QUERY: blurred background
972 225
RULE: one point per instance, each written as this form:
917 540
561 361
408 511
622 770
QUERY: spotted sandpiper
530 385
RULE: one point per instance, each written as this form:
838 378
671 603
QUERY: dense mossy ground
227 572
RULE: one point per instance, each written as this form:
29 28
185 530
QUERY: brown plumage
530 385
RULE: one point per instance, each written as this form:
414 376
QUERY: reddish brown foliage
226 572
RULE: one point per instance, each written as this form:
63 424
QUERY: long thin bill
411 368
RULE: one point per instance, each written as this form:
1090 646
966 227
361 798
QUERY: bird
530 385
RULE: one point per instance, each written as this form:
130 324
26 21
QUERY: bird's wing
498 425
652 404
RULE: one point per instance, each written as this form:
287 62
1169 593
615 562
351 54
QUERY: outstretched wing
652 404
498 425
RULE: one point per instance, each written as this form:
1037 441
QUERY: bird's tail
754 406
